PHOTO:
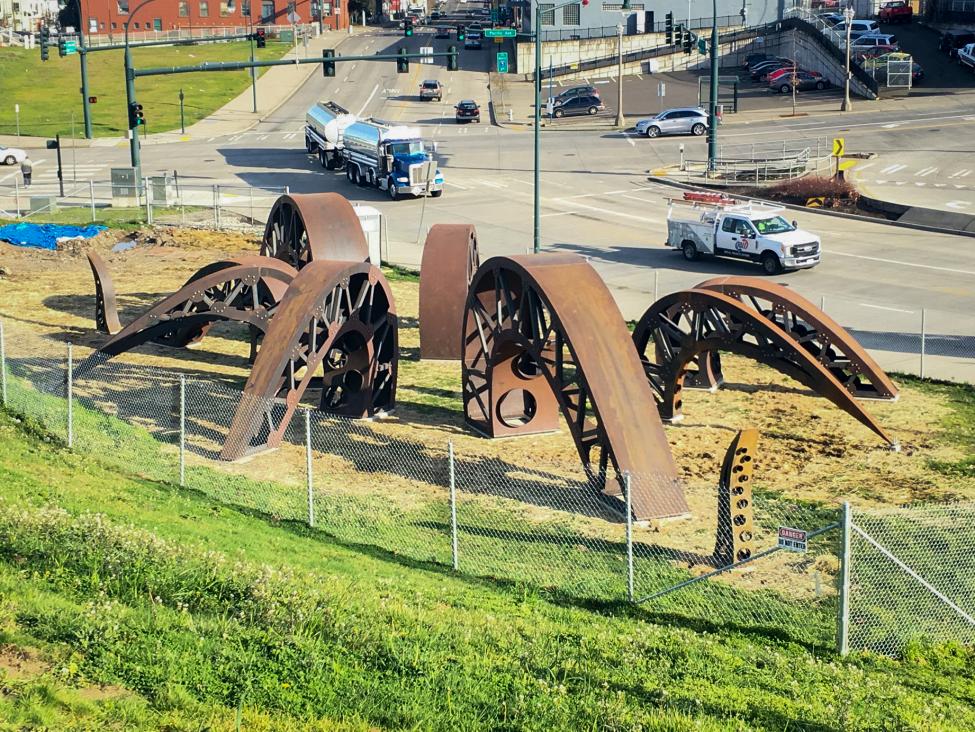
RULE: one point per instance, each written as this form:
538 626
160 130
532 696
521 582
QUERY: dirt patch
20 663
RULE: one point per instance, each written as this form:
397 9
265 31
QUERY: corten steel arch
303 227
334 331
450 260
735 541
542 333
106 311
826 340
683 325
246 290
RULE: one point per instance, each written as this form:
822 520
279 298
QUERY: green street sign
70 47
502 62
500 32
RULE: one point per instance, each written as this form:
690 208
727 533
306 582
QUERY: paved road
596 199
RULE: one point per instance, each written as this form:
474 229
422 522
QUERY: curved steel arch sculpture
825 339
311 226
450 259
683 325
542 333
106 310
334 331
246 290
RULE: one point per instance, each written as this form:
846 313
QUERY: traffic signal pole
135 156
85 106
713 111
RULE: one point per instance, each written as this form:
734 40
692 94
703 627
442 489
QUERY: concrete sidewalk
274 87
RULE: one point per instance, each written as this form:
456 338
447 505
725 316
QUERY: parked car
778 74
473 43
832 19
804 81
764 73
870 40
467 111
895 11
11 155
681 121
442 33
584 90
435 15
431 89
877 67
578 105
756 58
857 28
767 67
951 41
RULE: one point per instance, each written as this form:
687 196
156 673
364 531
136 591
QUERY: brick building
108 17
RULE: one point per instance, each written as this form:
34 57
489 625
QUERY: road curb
825 212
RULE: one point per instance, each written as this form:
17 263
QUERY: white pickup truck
966 56
705 224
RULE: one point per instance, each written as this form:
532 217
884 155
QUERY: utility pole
182 121
620 119
254 78
537 218
713 111
85 105
848 15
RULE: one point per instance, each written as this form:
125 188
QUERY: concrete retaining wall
562 53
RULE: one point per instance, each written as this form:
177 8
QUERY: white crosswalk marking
926 172
290 135
893 168
961 174
491 184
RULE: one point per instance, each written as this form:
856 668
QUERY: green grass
202 612
47 92
113 218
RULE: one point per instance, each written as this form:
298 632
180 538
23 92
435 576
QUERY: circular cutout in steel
517 408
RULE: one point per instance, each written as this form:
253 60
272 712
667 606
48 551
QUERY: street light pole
620 119
537 235
848 15
713 111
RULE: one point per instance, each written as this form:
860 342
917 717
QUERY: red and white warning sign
793 540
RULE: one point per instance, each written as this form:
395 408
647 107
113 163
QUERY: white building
27 15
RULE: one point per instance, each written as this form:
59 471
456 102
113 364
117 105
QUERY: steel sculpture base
314 226
735 539
683 325
812 329
106 310
542 334
245 290
334 336
450 259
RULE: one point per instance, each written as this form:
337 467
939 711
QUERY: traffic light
408 27
45 40
669 28
261 38
461 33
688 40
402 63
328 66
62 48
678 34
452 58
136 117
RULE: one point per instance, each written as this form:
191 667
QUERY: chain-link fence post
91 199
70 390
16 198
629 536
3 368
923 339
145 183
216 205
843 619
822 303
453 506
182 431
308 473
656 286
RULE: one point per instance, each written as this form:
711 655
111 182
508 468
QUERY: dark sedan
804 81
467 111
578 105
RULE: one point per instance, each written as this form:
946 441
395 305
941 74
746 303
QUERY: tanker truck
393 159
324 127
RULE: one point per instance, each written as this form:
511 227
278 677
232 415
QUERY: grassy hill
128 604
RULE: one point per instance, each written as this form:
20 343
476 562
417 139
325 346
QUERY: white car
11 155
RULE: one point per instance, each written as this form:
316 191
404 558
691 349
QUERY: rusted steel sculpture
825 339
450 260
735 541
334 332
683 325
246 289
543 333
306 227
106 311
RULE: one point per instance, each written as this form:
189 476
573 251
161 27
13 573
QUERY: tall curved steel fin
334 336
735 540
106 311
303 227
542 333
450 259
812 329
683 325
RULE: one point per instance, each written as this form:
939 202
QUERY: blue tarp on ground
45 236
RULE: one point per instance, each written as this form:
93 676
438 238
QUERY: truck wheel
393 193
771 264
323 158
689 251
437 194
348 172
309 145
354 176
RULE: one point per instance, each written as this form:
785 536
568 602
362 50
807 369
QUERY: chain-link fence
380 484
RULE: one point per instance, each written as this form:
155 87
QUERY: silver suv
683 121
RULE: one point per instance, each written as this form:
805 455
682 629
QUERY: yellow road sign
817 202
839 146
847 164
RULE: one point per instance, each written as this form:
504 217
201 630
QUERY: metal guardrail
610 31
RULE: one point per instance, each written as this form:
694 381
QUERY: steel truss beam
314 226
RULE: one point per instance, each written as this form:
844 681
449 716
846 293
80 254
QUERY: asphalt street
595 195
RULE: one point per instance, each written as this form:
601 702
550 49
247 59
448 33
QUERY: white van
857 28
870 41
